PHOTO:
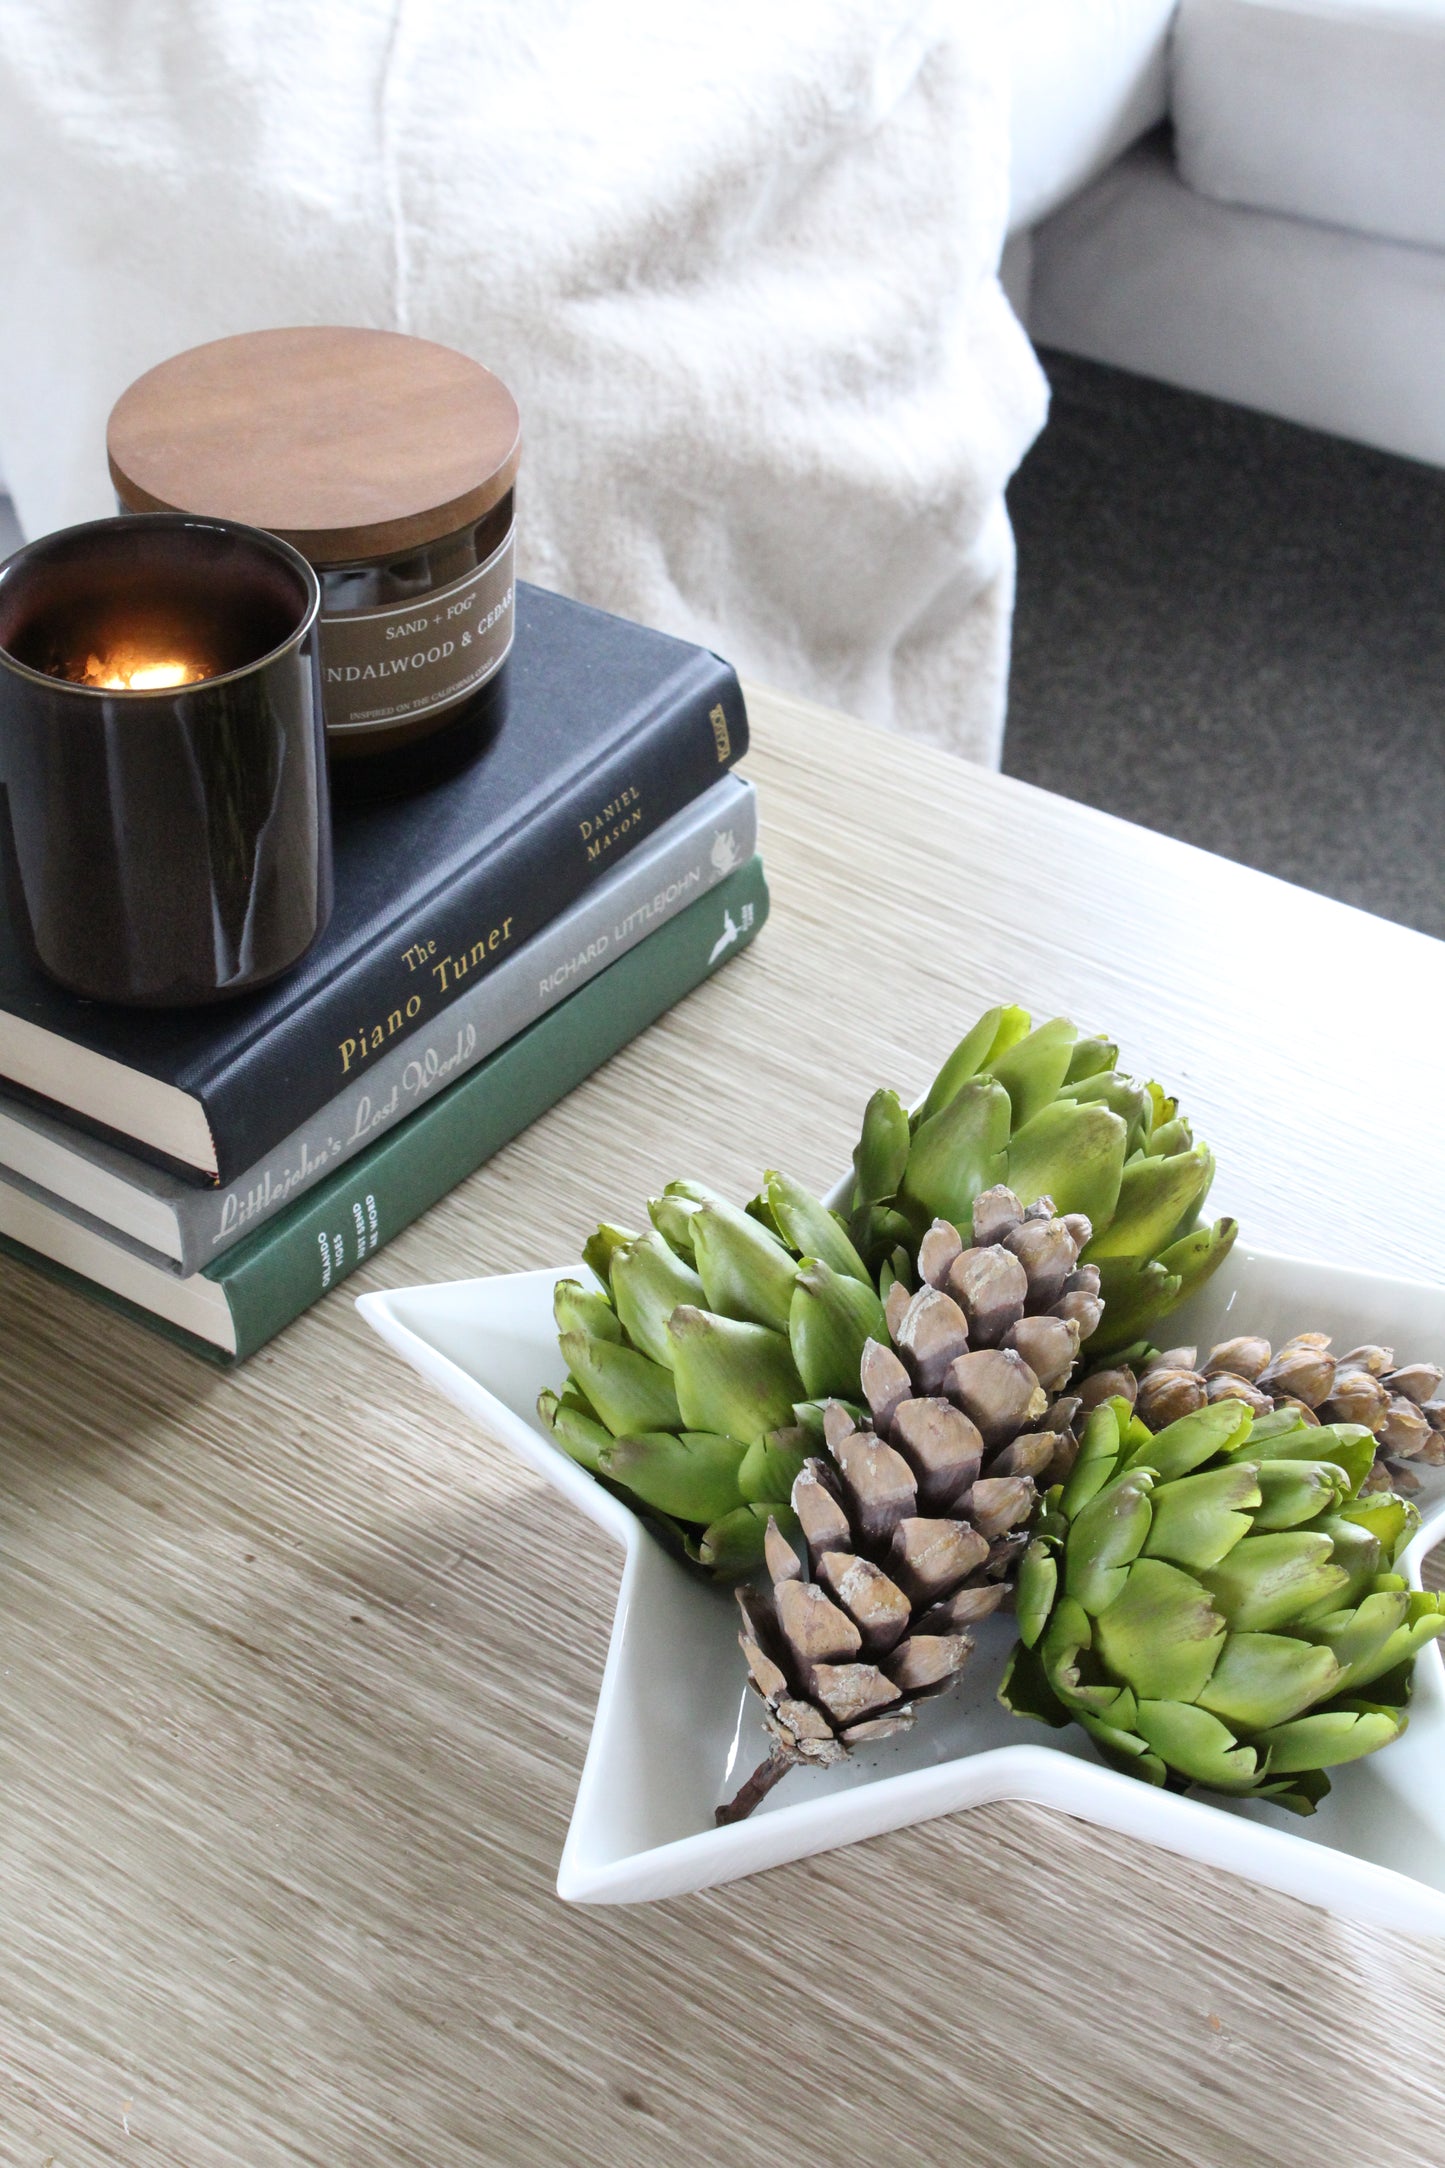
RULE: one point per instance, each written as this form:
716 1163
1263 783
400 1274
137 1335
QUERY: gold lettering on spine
371 1038
448 969
611 822
721 739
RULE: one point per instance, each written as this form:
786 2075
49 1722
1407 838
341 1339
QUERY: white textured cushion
1333 329
1328 109
736 262
1089 76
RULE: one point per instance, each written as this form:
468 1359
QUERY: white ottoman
1332 110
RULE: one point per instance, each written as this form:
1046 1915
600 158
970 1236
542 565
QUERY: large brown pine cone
914 1521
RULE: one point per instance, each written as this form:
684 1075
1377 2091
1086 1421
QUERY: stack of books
494 940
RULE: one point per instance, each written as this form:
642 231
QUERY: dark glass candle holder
163 756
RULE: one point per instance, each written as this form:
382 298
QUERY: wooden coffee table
297 1671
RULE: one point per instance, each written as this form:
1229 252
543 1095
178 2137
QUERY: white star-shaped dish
677 1728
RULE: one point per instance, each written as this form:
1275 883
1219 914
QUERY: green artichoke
1214 1602
1046 1112
699 1367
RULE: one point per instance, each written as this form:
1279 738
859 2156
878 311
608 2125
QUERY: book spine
280 1271
686 859
500 902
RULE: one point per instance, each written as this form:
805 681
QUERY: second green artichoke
1215 1603
1046 1111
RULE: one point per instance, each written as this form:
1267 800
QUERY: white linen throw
737 263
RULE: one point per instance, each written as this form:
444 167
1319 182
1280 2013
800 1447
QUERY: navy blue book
610 729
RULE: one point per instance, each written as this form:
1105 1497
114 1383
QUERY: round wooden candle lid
347 443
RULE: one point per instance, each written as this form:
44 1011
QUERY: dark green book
247 1295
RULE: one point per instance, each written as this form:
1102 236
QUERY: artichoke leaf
693 1192
1154 1194
1164 1108
581 1309
1392 1520
730 1377
1198 1519
771 1466
1300 1793
575 1429
1357 1637
1034 1067
1272 1428
1271 1581
1357 1551
672 1217
1265 1679
831 1319
648 1283
1074 1154
879 1229
1105 1537
1098 1456
1037 1585
1025 1690
733 1546
745 1271
989 1040
1424 1621
1088 1057
1169 1138
1198 1745
1330 1736
1194 1256
1282 1435
1122 1097
1136 1291
1182 1446
1125 1749
1295 1491
602 1246
881 1153
629 1392
1161 1634
1066 1638
959 1152
689 1475
808 1227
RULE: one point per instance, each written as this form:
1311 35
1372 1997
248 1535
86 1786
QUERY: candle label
383 667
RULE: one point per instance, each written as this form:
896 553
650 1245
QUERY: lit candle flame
131 673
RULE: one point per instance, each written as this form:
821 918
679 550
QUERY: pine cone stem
757 1787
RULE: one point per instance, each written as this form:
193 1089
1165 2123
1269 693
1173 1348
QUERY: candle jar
168 834
389 462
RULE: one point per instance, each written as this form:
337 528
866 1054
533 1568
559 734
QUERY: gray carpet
1233 630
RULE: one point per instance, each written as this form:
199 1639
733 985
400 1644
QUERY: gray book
187 1227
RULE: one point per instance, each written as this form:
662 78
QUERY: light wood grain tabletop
297 1669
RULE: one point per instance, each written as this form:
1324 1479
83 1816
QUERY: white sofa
1286 248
